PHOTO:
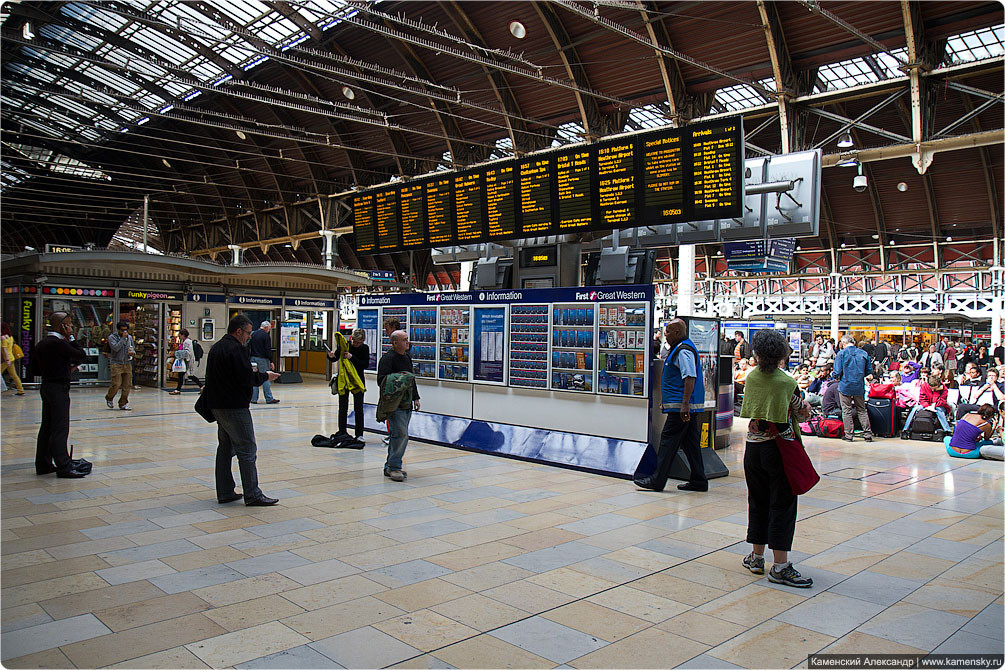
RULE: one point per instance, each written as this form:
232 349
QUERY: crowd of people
949 379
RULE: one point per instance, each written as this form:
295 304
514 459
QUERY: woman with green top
771 401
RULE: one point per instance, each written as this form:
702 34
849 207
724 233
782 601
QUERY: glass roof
649 116
173 32
976 45
569 133
741 96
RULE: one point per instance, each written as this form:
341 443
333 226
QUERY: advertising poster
705 335
368 320
490 329
289 339
26 335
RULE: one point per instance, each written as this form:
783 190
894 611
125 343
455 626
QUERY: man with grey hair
851 366
261 355
401 393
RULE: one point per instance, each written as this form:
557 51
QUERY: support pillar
835 306
997 297
685 280
146 222
236 251
330 237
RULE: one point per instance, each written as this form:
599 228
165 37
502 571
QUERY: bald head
676 331
399 341
56 319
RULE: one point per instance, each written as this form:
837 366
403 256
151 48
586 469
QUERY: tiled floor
474 561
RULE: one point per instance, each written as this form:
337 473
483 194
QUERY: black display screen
669 175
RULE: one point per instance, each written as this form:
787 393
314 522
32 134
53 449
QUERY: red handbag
883 391
798 468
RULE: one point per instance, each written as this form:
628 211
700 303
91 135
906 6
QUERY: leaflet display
663 176
705 335
422 337
455 329
399 313
528 341
489 344
572 347
622 348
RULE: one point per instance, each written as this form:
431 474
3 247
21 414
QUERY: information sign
468 207
362 219
413 216
490 338
572 176
386 213
368 320
289 339
616 184
500 200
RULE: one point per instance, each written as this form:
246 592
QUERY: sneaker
404 475
789 576
126 407
868 438
396 475
754 563
848 438
111 405
359 438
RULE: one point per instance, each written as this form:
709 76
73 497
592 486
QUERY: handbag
883 391
203 410
17 351
178 366
798 468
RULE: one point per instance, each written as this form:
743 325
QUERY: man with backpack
682 385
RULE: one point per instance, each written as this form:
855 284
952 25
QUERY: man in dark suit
261 355
227 393
53 360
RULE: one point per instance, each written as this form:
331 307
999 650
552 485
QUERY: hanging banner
289 339
27 334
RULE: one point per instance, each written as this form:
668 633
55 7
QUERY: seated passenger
909 371
971 439
932 397
830 405
974 393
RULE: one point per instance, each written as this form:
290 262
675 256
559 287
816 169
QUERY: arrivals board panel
668 175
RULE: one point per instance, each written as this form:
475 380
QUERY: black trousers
676 435
181 380
343 411
50 447
771 506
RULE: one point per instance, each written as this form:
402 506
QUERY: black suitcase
926 426
882 416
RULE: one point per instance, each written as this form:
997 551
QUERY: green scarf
767 396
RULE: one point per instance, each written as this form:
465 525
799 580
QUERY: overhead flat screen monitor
663 176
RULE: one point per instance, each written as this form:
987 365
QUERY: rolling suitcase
882 416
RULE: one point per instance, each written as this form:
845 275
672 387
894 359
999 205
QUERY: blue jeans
399 438
263 366
236 436
939 412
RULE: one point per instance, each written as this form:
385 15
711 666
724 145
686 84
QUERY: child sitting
932 396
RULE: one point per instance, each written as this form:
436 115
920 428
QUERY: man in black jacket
53 360
229 380
261 355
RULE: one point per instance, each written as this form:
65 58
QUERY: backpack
197 350
824 427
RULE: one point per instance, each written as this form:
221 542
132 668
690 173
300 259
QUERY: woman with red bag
771 401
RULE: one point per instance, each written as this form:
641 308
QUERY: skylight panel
111 80
243 11
63 34
51 130
740 96
847 73
75 106
163 46
37 73
206 71
649 116
976 45
446 162
94 15
568 133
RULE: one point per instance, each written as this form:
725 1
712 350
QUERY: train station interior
544 334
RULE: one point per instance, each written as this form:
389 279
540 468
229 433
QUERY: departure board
468 193
663 171
616 185
413 217
388 231
717 186
362 223
572 175
535 196
500 201
662 176
439 210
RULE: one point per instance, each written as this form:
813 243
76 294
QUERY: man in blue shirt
682 386
261 354
851 367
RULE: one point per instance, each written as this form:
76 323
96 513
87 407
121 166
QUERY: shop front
92 312
155 319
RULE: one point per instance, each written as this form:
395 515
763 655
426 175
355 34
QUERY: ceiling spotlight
949 238
846 141
875 236
517 29
26 31
240 134
165 161
902 186
848 162
348 93
843 245
893 242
